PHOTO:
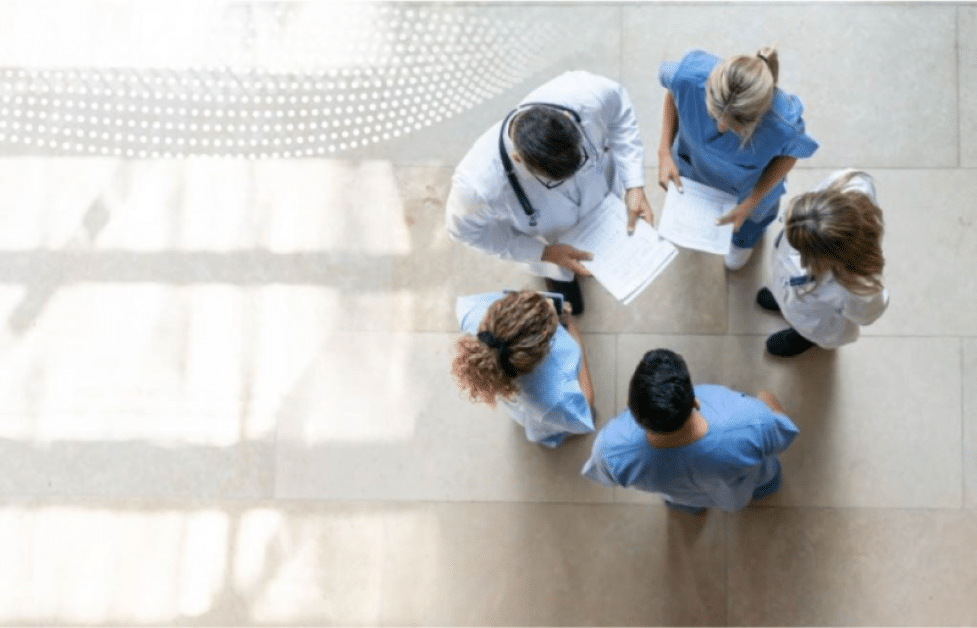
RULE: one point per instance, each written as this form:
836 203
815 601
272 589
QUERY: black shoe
788 343
570 291
766 300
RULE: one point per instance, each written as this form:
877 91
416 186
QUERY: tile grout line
726 520
956 71
963 425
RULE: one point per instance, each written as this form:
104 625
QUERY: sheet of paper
623 264
689 217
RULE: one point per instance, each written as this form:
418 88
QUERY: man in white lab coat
570 142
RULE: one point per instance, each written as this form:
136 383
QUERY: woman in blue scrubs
516 350
727 125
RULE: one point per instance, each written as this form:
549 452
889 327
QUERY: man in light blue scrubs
698 447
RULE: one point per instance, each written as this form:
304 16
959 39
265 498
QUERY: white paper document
689 217
623 264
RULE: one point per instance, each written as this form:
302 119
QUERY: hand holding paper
623 264
691 219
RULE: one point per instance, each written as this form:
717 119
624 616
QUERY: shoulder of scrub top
692 68
471 308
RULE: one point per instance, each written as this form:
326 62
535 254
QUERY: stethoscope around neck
510 170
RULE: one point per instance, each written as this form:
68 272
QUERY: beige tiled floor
225 395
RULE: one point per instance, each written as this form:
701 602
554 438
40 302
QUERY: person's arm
778 431
865 310
775 171
470 220
667 170
584 378
627 148
772 402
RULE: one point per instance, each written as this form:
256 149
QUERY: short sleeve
666 73
572 414
597 469
800 145
778 432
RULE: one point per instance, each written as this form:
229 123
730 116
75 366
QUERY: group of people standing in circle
574 140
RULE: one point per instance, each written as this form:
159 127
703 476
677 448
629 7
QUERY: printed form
623 264
689 217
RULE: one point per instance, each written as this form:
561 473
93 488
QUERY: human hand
567 257
737 216
637 204
772 402
668 171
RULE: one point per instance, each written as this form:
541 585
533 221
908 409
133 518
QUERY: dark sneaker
692 510
570 291
766 300
788 343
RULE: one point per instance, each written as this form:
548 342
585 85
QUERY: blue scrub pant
751 230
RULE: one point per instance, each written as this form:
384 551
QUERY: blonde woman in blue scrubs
726 124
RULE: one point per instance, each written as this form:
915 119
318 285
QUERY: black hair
548 141
660 396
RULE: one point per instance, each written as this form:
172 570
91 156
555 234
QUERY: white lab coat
828 314
483 210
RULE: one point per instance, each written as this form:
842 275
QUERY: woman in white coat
516 350
827 267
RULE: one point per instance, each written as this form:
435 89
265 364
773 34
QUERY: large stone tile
190 563
842 87
970 421
930 253
859 423
546 565
397 427
967 61
855 567
474 62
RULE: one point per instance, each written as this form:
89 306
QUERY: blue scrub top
703 154
550 403
723 468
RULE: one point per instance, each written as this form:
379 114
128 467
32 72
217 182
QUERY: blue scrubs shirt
703 154
550 404
737 456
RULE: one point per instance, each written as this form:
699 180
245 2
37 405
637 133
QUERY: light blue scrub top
550 403
704 155
736 456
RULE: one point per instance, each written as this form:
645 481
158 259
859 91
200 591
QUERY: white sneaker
737 257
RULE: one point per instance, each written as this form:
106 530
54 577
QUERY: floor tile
855 426
827 567
420 438
191 563
969 376
841 113
509 564
967 79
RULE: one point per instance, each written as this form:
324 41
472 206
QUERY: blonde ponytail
740 91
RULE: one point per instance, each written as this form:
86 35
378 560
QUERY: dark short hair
548 141
660 396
